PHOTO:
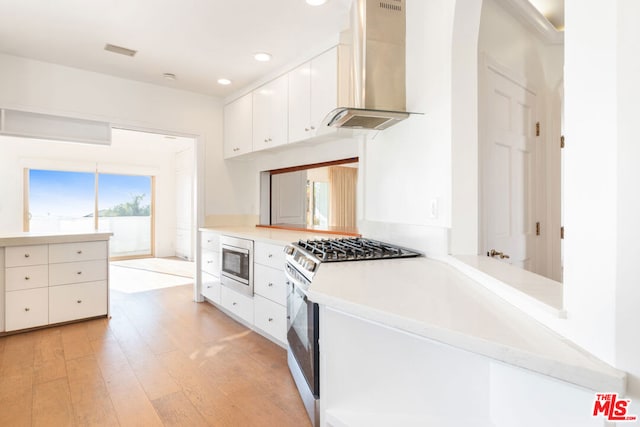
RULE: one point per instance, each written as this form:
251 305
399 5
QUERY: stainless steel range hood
375 46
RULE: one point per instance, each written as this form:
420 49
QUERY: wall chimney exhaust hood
372 80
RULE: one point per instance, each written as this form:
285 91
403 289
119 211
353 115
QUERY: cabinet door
18 256
271 318
76 272
77 301
300 103
270 283
240 305
324 90
77 251
270 116
269 254
29 277
211 287
238 127
26 309
210 262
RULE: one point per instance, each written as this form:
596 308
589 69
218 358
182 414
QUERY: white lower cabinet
240 305
77 301
26 309
211 287
270 317
53 283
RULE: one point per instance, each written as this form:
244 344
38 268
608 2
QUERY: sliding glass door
124 208
61 202
75 202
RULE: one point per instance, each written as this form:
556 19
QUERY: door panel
508 171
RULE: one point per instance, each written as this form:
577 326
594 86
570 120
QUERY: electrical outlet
433 209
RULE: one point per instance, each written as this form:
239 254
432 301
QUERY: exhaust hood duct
375 48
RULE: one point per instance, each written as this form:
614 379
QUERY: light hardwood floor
160 360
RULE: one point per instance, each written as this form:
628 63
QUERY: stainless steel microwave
237 264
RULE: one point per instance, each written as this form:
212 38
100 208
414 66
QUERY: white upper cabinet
313 92
270 114
238 118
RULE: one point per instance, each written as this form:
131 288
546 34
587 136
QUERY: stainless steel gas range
303 259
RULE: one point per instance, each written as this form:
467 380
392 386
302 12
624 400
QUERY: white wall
628 197
48 88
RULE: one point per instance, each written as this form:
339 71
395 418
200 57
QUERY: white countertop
269 235
432 299
28 238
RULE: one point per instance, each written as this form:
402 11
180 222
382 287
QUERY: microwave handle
235 249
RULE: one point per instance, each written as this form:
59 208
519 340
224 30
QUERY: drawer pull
79 301
27 277
26 255
79 252
234 303
209 261
27 309
209 287
270 256
270 319
270 284
79 272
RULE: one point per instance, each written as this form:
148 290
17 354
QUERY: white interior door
288 198
509 171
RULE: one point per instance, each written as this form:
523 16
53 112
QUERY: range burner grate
353 249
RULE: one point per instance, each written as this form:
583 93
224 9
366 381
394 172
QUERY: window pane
124 208
61 201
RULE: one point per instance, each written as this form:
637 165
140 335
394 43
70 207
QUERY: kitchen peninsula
51 278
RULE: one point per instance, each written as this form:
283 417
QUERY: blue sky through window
72 194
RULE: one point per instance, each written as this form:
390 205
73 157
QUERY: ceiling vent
119 49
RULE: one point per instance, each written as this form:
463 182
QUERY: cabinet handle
79 252
209 287
270 256
266 140
27 277
270 319
234 303
79 301
313 128
270 284
210 261
26 255
208 241
27 309
79 272
306 129
270 140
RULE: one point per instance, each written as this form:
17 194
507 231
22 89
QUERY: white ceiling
553 10
199 41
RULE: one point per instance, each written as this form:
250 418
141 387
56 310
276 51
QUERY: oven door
302 336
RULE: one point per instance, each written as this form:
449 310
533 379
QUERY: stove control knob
308 264
288 250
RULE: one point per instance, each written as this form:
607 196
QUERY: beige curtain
342 196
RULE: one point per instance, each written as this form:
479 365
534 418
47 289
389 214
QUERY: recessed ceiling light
224 82
262 56
169 76
316 2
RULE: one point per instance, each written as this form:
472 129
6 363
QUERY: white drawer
29 277
79 251
210 241
271 318
270 283
77 272
269 255
210 262
211 287
18 256
77 301
237 304
26 309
